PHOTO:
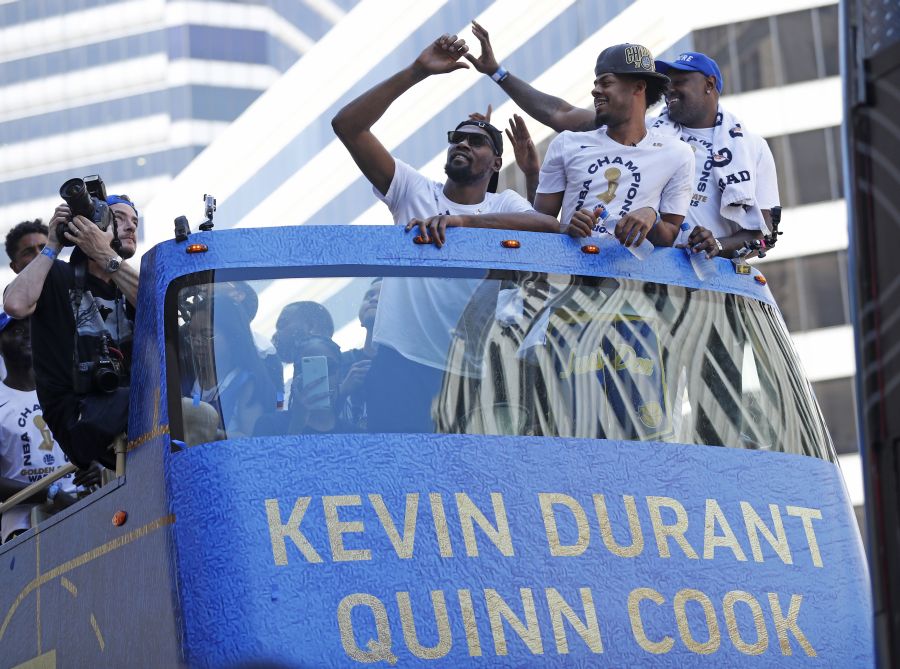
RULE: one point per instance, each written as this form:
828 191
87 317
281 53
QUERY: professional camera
85 197
102 374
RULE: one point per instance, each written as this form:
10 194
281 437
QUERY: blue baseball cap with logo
693 61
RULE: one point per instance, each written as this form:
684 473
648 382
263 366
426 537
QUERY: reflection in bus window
497 353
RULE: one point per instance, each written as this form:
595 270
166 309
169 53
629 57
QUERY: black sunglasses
474 139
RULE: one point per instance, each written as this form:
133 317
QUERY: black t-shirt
53 334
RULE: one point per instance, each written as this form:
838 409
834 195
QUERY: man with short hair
416 317
735 184
641 178
474 157
89 300
24 242
728 160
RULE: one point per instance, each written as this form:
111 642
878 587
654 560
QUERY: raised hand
486 63
523 146
442 56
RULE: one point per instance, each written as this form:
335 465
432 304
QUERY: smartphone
314 369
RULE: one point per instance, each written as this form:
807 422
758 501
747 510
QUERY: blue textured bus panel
493 551
309 246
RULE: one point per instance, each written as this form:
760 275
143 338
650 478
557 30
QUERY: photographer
82 325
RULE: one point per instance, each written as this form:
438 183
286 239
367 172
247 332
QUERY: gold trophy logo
47 441
613 174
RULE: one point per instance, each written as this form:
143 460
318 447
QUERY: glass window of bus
487 352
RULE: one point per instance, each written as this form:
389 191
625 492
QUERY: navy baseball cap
693 61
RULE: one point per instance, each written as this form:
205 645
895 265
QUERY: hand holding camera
89 238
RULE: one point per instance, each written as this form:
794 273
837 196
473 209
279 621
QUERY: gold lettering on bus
442 620
588 630
499 611
469 514
279 530
337 528
675 531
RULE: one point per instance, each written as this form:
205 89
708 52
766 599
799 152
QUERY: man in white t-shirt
723 152
28 451
693 109
416 316
641 178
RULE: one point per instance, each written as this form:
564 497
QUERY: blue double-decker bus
554 458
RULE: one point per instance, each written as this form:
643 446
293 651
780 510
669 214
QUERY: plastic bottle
704 267
641 251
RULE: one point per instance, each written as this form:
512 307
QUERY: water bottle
641 251
704 267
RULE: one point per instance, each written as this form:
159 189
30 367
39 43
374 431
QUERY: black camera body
85 197
102 374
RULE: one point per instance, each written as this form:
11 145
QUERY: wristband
500 75
49 252
658 218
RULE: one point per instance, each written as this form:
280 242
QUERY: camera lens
75 193
106 379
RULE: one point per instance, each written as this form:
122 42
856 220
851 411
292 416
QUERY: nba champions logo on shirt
616 174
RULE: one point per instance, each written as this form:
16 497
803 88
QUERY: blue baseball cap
693 61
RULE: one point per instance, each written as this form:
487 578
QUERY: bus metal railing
120 447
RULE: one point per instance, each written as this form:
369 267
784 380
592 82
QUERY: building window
774 51
837 400
808 165
811 291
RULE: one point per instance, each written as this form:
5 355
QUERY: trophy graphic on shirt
613 174
47 437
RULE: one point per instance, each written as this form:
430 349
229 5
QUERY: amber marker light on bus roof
510 243
420 239
196 248
590 248
760 279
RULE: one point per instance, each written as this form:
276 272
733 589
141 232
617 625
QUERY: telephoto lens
76 195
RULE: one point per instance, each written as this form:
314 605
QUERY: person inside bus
734 184
358 361
316 405
225 369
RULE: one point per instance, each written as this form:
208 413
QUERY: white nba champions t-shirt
591 169
28 451
706 198
416 316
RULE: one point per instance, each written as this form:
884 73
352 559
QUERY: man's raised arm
548 109
21 296
353 123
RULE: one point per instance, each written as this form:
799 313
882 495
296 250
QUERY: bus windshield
490 352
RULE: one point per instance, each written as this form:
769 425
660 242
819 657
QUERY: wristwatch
113 264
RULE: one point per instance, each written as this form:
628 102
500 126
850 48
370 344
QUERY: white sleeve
510 202
553 170
676 194
405 181
766 178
